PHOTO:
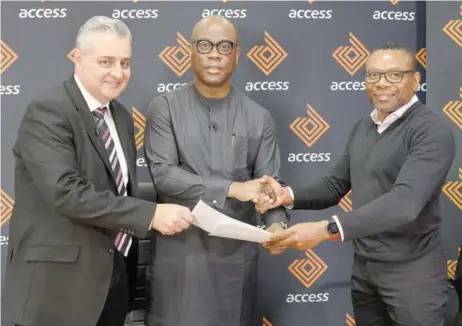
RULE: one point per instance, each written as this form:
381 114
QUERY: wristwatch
332 229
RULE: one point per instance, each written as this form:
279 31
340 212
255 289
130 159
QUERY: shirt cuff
216 192
291 196
338 225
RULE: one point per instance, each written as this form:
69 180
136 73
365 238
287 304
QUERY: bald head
205 25
214 54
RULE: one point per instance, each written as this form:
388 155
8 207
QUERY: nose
117 72
214 53
383 82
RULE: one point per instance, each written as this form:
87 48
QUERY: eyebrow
114 58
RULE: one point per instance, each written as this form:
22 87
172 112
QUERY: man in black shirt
395 162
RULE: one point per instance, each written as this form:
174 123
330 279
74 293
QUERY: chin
388 108
215 83
112 94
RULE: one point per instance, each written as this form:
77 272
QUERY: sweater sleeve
430 155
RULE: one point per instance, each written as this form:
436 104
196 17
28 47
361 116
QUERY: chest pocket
237 154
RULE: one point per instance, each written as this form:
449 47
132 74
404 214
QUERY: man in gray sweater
395 162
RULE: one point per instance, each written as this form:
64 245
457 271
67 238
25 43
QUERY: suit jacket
67 213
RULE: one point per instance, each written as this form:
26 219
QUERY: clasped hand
301 236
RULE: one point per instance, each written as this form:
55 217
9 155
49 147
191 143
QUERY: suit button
214 201
111 251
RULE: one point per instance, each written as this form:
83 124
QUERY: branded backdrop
301 60
444 43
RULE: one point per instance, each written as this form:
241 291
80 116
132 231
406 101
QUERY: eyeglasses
391 76
223 47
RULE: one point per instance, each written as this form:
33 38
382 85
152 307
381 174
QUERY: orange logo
454 112
267 57
346 204
453 189
421 56
453 29
71 53
452 266
308 277
394 2
266 322
7 57
353 57
350 321
177 58
6 207
310 129
139 123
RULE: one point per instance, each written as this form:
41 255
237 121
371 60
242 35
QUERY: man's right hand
252 190
170 219
280 195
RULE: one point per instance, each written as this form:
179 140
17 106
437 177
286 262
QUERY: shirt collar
396 114
91 101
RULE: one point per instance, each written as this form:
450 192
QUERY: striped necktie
123 241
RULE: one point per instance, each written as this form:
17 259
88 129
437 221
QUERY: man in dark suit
395 162
72 245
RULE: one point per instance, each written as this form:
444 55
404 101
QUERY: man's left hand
275 228
301 236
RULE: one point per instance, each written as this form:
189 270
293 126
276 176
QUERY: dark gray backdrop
287 65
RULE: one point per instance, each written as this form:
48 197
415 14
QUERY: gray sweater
396 179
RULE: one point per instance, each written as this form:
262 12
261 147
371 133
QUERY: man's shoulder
427 125
54 95
426 119
251 105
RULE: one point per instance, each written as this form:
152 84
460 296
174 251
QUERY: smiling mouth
113 84
384 97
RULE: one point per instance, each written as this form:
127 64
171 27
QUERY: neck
212 92
382 115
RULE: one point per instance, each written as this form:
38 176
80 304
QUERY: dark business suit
61 250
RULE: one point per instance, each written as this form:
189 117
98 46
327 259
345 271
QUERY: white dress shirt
94 104
381 127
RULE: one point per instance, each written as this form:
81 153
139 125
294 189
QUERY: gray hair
101 24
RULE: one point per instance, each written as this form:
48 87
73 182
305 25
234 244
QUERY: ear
238 53
416 80
77 56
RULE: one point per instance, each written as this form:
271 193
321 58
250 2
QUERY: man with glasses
208 141
395 163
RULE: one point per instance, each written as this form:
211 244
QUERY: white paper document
221 225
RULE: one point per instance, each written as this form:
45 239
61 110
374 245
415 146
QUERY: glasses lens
372 77
204 46
225 47
394 76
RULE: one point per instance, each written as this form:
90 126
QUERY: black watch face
332 228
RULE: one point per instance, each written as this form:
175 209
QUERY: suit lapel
124 137
89 122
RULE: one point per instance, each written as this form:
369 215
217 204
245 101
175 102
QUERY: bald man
208 141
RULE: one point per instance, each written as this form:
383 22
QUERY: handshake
266 193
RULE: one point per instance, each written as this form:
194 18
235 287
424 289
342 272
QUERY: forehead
389 59
216 32
109 45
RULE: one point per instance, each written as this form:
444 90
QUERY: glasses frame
214 45
386 78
